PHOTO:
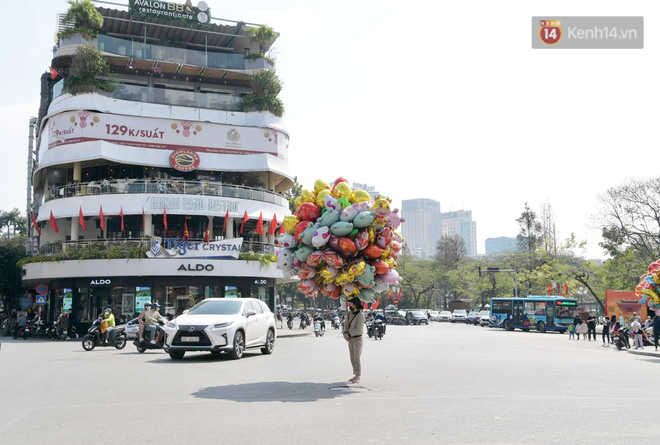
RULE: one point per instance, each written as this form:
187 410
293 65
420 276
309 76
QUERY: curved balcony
98 247
166 186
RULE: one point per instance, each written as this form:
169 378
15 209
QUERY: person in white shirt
637 330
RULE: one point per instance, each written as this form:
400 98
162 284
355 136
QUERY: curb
648 354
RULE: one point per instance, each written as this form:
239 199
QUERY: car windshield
418 313
445 313
216 307
484 313
459 312
434 312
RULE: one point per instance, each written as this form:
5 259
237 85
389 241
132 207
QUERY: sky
443 100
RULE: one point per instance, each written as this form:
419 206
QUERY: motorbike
117 337
378 329
40 329
66 334
370 328
319 328
336 323
620 339
159 339
303 324
22 332
289 324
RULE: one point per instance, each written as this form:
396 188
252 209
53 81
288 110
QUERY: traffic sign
42 289
41 299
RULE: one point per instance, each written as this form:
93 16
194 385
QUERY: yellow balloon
343 278
359 196
307 196
290 222
357 268
320 197
320 185
298 202
342 190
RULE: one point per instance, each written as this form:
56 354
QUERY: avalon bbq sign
200 14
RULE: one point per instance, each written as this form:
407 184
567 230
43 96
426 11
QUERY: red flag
245 219
36 226
121 213
565 289
260 225
186 234
224 225
365 306
53 223
282 230
81 219
165 217
102 219
273 225
559 290
207 235
53 73
549 289
143 218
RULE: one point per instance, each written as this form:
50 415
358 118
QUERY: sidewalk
295 332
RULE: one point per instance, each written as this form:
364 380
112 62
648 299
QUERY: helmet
155 305
148 303
108 311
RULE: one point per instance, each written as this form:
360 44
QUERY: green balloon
344 202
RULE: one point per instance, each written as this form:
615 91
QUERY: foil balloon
346 247
343 203
321 237
341 190
297 202
328 274
349 213
332 259
381 266
308 234
308 211
306 272
341 228
300 228
287 240
359 196
320 185
350 289
363 219
320 198
290 222
307 196
331 203
285 259
362 240
315 258
372 252
303 253
328 218
367 295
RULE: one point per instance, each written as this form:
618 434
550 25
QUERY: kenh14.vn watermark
587 32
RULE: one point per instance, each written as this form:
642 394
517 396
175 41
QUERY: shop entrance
99 300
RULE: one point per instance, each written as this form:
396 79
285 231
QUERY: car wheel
270 343
239 346
540 326
177 355
507 325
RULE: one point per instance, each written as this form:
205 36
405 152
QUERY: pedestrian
353 331
637 332
279 318
583 330
606 331
571 331
656 329
577 321
648 322
591 325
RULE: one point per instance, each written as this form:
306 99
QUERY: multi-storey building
459 223
422 229
501 244
169 163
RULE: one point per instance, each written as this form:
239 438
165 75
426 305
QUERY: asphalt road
439 384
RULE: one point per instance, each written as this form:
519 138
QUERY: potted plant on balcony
262 36
265 88
89 72
86 20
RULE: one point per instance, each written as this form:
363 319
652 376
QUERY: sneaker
153 342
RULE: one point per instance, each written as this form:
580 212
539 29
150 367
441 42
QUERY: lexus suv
217 325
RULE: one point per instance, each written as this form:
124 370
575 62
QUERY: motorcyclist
383 321
289 319
319 318
151 319
62 324
21 323
303 319
109 318
141 318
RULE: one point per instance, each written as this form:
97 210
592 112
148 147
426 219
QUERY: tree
261 36
419 280
450 250
529 239
630 218
294 192
89 72
13 222
11 289
86 20
265 88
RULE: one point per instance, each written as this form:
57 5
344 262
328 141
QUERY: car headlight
222 325
171 324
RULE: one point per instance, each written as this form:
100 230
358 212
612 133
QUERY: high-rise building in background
501 244
422 228
460 223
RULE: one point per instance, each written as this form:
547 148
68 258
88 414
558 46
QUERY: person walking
583 330
606 331
353 330
637 330
577 321
656 329
591 326
571 331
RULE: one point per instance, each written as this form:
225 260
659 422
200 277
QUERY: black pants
606 334
656 334
591 331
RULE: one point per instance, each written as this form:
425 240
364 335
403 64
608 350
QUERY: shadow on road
274 392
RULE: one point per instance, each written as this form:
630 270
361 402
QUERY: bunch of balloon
341 243
649 287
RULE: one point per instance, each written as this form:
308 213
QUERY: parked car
217 325
458 315
131 328
444 316
470 316
434 315
417 317
484 318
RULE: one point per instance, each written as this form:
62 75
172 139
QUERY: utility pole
29 239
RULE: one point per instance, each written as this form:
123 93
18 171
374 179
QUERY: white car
458 315
444 316
222 325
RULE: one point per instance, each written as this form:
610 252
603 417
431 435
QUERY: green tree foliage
293 193
450 250
419 279
12 224
87 21
262 36
11 252
265 88
89 72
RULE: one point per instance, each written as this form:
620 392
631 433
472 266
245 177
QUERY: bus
540 312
